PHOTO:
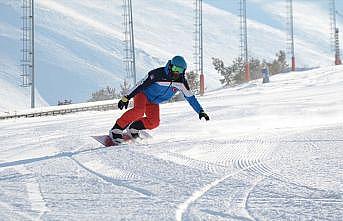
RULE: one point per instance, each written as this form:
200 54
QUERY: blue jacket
159 86
265 72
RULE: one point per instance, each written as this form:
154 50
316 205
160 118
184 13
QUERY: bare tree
107 93
124 88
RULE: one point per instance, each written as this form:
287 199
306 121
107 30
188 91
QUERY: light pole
27 60
244 38
198 45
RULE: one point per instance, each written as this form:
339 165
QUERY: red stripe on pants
141 106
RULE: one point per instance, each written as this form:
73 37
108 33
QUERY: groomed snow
270 152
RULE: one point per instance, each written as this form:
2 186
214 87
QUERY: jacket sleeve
141 85
189 96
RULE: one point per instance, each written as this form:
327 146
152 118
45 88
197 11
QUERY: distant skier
158 86
265 73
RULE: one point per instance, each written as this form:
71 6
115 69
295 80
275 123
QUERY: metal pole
133 45
245 31
335 31
337 51
33 58
245 27
292 34
201 41
202 77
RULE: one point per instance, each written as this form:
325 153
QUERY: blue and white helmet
179 61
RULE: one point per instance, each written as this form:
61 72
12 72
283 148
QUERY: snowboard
108 142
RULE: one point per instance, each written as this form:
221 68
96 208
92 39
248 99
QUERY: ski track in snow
114 181
34 194
16 214
182 208
253 163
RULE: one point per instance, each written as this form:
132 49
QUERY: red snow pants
141 106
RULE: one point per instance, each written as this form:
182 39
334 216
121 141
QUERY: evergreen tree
279 64
238 68
193 81
282 60
255 68
226 72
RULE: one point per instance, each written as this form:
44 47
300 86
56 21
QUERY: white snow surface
270 152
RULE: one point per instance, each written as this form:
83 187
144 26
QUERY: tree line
235 73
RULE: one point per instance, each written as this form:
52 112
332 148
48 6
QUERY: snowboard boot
135 127
116 133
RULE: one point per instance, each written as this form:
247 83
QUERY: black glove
203 114
124 102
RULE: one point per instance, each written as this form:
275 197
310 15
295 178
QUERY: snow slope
79 43
12 96
269 152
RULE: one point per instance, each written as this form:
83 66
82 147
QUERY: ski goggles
177 69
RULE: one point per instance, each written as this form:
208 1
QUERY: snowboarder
158 86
